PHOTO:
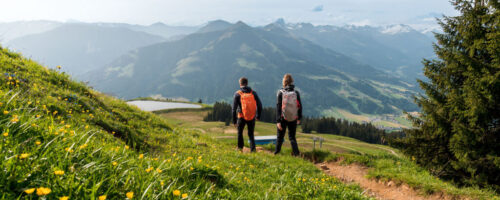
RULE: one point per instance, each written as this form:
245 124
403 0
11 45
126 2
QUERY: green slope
385 163
207 65
62 135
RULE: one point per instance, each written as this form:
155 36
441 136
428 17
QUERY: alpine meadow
250 99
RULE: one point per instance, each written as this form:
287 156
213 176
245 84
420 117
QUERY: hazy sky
254 12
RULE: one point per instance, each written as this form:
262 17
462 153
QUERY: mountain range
207 65
364 69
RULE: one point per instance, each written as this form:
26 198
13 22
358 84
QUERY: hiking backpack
248 105
289 105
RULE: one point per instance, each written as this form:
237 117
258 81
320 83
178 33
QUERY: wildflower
159 170
162 183
1 103
41 191
126 147
83 146
59 172
130 195
102 197
15 119
149 169
169 160
141 156
113 132
189 158
191 168
38 143
177 193
33 125
58 66
5 112
155 158
23 156
29 191
5 134
184 195
115 163
87 127
64 198
37 116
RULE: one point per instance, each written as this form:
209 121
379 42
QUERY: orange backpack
248 105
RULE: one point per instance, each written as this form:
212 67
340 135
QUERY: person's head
287 80
243 82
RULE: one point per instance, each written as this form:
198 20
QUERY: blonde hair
287 80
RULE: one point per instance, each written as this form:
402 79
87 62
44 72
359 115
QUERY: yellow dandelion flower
184 195
162 183
115 163
64 198
191 168
130 195
29 102
83 146
5 112
189 158
24 155
141 156
38 142
159 170
59 172
5 134
42 191
149 169
68 126
177 193
33 125
155 158
126 147
169 160
102 197
37 116
58 66
113 132
29 191
14 120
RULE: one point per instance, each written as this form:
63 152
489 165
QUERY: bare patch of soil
381 190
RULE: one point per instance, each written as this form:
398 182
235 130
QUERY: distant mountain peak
280 21
158 24
215 25
395 29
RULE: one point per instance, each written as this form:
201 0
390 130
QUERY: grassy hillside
59 138
385 163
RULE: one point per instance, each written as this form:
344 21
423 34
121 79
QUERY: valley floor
381 171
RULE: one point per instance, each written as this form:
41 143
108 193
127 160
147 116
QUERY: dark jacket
237 103
279 118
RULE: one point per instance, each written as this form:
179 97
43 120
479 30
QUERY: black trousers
292 129
250 126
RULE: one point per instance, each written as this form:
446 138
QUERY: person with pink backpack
288 114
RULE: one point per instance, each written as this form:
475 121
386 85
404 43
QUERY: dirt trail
357 174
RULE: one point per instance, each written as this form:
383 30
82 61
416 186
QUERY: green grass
51 124
386 163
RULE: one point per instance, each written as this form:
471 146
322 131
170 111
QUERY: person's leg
251 126
241 126
292 128
279 139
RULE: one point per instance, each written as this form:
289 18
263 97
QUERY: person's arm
259 105
278 106
300 105
236 103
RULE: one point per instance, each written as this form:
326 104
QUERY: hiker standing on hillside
288 114
246 109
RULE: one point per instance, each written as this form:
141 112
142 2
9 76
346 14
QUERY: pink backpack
289 105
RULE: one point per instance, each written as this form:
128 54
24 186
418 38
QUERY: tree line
366 132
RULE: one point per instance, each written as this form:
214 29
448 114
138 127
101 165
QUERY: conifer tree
457 134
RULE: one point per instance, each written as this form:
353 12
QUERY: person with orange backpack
288 114
246 109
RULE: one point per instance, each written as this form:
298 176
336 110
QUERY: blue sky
254 12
